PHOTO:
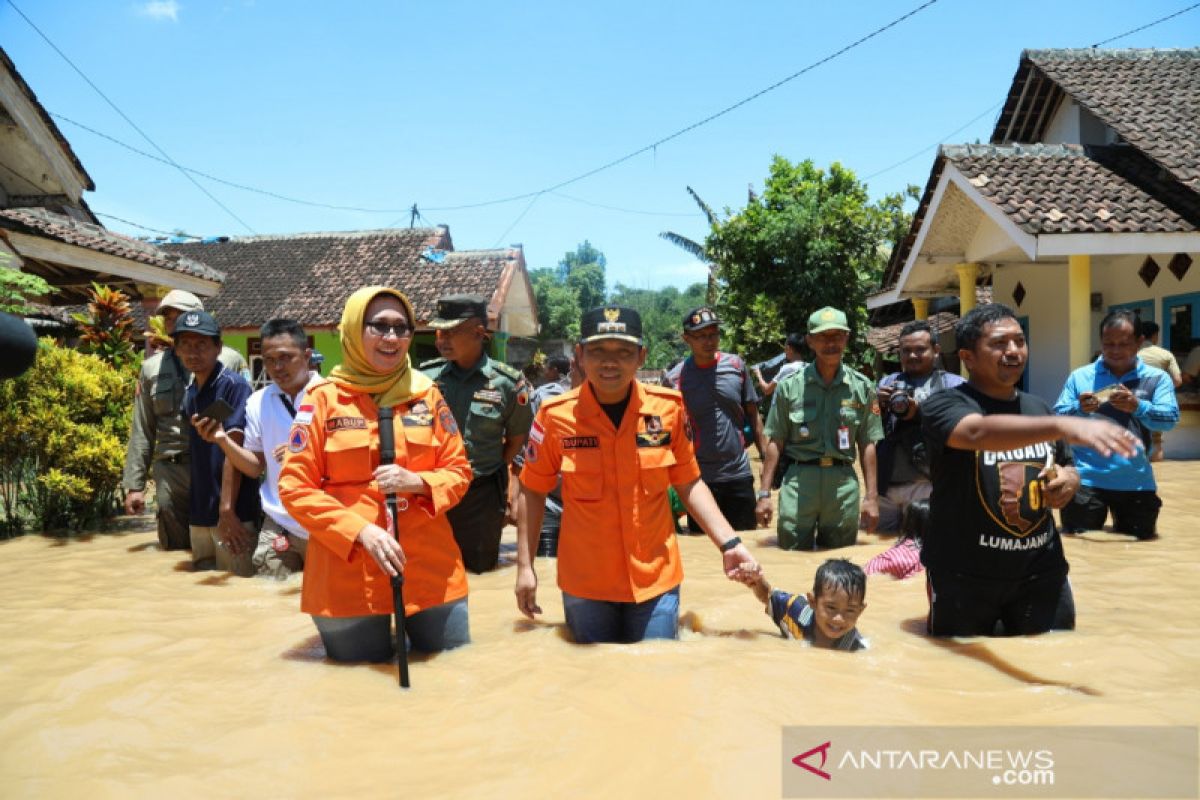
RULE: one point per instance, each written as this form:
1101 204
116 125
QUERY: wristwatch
763 495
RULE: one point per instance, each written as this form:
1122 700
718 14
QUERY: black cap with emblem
611 322
454 308
200 322
699 318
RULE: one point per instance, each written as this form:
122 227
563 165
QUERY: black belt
823 462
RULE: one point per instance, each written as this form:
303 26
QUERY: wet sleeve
543 455
141 447
451 477
685 469
301 482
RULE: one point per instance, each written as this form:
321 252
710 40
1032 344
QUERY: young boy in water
827 617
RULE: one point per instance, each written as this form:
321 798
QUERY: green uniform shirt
490 403
806 415
159 429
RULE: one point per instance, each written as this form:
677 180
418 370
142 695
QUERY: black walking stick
387 454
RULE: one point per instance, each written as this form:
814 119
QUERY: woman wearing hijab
333 484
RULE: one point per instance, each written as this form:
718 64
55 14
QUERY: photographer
903 461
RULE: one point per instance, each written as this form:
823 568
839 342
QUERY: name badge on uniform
843 438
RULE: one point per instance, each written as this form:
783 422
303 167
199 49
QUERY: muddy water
123 674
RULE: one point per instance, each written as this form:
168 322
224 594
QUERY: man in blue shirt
1138 397
223 510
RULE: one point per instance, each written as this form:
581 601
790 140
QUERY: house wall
1116 279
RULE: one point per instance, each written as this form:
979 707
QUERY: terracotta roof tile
39 221
1150 97
308 276
1076 189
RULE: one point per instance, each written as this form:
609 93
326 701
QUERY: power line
144 228
125 117
927 148
626 210
232 184
520 217
1148 25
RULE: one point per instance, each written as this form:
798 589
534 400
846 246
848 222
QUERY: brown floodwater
124 674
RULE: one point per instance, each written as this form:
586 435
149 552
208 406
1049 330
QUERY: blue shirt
204 497
794 616
1157 410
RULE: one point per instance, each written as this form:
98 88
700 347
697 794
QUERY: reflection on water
123 675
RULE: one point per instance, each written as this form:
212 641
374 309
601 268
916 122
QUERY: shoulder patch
522 393
297 439
446 417
506 370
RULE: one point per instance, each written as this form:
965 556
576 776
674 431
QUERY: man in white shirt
269 415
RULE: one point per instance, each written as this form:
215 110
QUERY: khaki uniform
490 404
820 427
158 442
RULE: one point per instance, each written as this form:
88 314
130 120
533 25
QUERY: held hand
210 430
278 453
1088 403
527 592
1103 436
1059 490
763 511
395 479
740 566
232 534
868 518
383 548
135 502
1124 400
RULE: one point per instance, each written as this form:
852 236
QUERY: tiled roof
308 276
40 222
1075 189
1150 97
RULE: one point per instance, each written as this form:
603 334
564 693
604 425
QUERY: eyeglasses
401 330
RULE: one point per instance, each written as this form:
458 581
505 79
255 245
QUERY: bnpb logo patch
298 440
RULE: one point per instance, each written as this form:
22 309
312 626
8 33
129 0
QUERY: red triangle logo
823 749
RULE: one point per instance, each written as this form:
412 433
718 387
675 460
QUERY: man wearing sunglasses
490 403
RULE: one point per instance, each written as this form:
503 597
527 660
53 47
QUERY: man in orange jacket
618 445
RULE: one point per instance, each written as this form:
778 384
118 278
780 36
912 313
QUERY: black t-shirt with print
987 518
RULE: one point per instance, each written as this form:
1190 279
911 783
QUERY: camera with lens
901 400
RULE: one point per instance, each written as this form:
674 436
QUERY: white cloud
160 9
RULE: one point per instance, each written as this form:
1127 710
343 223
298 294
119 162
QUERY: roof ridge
1119 52
953 151
359 234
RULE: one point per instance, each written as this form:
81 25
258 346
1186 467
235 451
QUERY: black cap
200 322
454 308
699 318
611 322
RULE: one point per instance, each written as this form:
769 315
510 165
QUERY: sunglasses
381 329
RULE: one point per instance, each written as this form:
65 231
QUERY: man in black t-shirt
1000 461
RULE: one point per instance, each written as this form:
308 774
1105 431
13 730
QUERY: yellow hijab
355 373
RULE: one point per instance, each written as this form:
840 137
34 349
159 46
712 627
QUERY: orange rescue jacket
327 485
617 537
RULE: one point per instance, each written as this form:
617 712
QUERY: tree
698 249
811 239
662 313
565 292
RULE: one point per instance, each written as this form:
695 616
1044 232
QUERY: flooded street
124 674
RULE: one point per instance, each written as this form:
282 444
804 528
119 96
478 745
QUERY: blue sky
382 105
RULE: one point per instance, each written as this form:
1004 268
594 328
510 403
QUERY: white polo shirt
268 423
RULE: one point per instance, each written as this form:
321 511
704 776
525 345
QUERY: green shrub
63 427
